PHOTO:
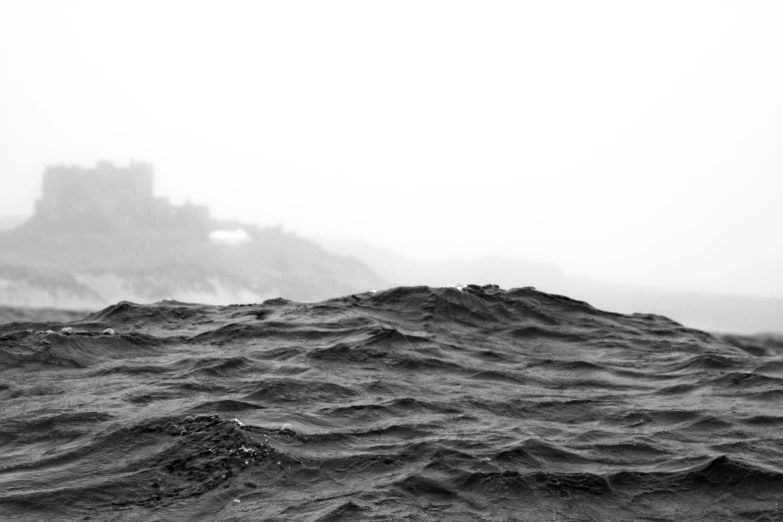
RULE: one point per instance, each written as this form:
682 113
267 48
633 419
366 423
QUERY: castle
111 199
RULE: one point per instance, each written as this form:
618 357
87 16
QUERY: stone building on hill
111 199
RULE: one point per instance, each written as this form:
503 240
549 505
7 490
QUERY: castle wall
109 198
107 189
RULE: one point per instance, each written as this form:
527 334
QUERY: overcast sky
629 140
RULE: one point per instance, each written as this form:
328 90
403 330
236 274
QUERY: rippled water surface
408 404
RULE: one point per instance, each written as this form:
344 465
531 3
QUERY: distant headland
99 236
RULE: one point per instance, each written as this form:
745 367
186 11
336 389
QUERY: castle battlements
111 199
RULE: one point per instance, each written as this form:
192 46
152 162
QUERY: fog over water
626 141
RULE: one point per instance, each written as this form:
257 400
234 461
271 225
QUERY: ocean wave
463 403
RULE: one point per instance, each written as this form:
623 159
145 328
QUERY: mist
437 260
632 143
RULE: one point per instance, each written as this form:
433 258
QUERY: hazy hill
101 235
87 271
504 271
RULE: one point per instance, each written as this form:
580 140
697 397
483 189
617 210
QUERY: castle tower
107 191
111 199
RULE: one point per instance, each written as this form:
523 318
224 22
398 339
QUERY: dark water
408 404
